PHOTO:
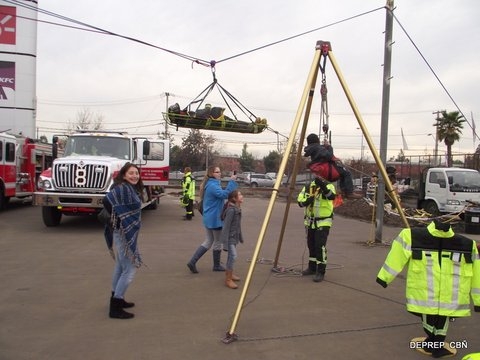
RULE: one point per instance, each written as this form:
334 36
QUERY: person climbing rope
324 164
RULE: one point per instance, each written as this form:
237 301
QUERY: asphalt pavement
56 289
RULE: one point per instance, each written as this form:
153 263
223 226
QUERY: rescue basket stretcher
212 119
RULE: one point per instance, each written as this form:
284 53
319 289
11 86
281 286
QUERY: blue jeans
213 238
232 255
124 270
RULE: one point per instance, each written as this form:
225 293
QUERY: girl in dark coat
232 234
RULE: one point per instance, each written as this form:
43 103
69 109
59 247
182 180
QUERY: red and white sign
8 24
7 77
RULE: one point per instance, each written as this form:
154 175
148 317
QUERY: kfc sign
7 77
8 22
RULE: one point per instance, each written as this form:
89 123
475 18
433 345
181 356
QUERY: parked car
300 180
255 180
175 175
199 175
273 175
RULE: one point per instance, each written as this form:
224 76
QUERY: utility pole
166 111
387 66
435 152
278 142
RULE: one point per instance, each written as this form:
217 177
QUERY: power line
434 74
89 27
157 121
299 35
211 63
103 31
100 103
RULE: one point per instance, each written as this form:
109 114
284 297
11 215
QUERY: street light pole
387 68
361 147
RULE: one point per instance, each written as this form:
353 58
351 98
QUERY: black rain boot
125 304
310 270
197 255
216 261
441 352
116 310
319 273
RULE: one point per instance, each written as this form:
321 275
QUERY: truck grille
80 176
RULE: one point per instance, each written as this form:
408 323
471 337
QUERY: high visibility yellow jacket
188 186
319 210
472 356
443 271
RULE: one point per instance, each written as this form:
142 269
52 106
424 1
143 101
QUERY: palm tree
448 130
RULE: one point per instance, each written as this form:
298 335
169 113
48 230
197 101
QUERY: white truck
77 182
444 190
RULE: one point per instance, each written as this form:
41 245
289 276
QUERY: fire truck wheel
51 216
3 200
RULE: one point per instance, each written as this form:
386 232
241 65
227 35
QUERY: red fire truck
21 161
77 182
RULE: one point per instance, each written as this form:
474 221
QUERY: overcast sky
125 82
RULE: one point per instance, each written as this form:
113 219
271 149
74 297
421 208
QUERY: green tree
246 159
175 158
449 127
272 161
400 157
196 150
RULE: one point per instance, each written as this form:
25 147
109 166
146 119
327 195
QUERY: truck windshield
464 180
98 146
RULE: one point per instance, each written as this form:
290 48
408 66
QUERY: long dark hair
119 179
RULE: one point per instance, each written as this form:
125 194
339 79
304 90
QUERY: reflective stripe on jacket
188 186
443 270
320 212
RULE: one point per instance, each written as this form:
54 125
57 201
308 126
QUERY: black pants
329 172
189 209
435 326
345 182
317 248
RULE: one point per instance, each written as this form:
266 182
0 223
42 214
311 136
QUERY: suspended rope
323 161
324 115
214 118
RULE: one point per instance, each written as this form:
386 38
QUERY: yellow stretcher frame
221 124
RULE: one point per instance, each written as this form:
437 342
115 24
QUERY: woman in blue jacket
213 196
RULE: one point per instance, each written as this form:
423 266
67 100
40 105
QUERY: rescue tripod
322 50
